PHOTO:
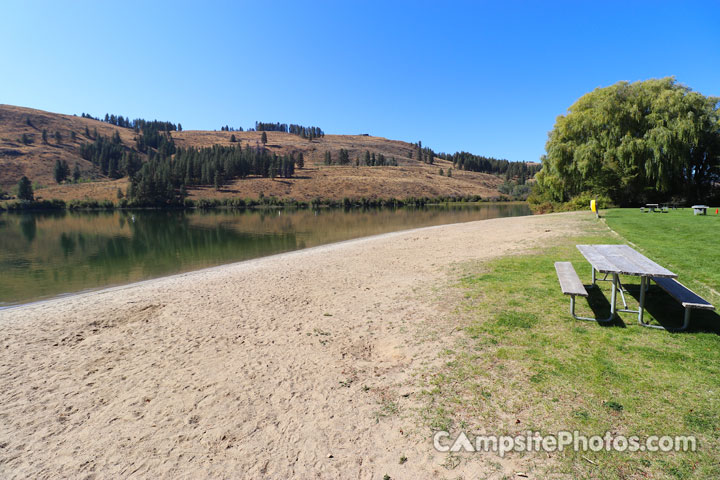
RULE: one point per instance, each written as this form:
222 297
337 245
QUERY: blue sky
484 77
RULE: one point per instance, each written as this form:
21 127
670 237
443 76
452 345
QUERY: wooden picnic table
652 206
619 260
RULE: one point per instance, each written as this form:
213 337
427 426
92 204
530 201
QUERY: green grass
525 364
680 241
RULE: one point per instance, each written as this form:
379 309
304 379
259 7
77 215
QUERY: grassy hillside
36 158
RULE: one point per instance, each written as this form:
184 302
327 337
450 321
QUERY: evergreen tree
232 138
25 190
76 173
328 157
263 138
73 135
301 161
44 136
58 172
58 137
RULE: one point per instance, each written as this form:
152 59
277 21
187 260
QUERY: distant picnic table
700 209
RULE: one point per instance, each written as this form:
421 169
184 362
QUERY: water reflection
46 254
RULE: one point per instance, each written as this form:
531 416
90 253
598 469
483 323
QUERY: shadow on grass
669 313
600 305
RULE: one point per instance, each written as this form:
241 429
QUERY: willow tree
634 142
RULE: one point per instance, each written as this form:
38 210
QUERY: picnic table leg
613 296
643 284
592 284
612 305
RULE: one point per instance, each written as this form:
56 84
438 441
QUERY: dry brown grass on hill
336 182
37 159
410 178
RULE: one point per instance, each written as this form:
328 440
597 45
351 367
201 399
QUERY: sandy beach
280 367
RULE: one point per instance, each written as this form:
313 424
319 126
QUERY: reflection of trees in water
60 252
67 244
28 227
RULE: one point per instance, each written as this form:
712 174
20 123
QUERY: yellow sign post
593 207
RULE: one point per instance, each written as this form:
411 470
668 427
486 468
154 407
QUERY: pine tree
58 137
58 172
44 136
232 138
263 138
25 190
301 161
76 173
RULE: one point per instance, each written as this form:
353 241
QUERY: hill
24 152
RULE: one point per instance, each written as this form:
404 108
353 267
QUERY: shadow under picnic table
669 313
599 302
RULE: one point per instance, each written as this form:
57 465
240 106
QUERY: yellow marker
593 207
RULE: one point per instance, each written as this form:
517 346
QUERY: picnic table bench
616 260
687 298
570 284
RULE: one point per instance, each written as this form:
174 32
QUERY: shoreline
140 283
112 287
294 365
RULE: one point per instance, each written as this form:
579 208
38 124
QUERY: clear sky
484 77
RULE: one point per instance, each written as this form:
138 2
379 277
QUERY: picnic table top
652 205
700 206
622 259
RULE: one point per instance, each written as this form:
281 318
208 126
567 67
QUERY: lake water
43 255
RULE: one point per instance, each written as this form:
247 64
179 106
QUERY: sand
298 365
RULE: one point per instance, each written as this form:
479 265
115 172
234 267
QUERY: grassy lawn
525 364
680 241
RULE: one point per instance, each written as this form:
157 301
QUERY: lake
43 255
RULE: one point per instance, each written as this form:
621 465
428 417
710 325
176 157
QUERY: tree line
478 163
136 124
304 132
164 179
